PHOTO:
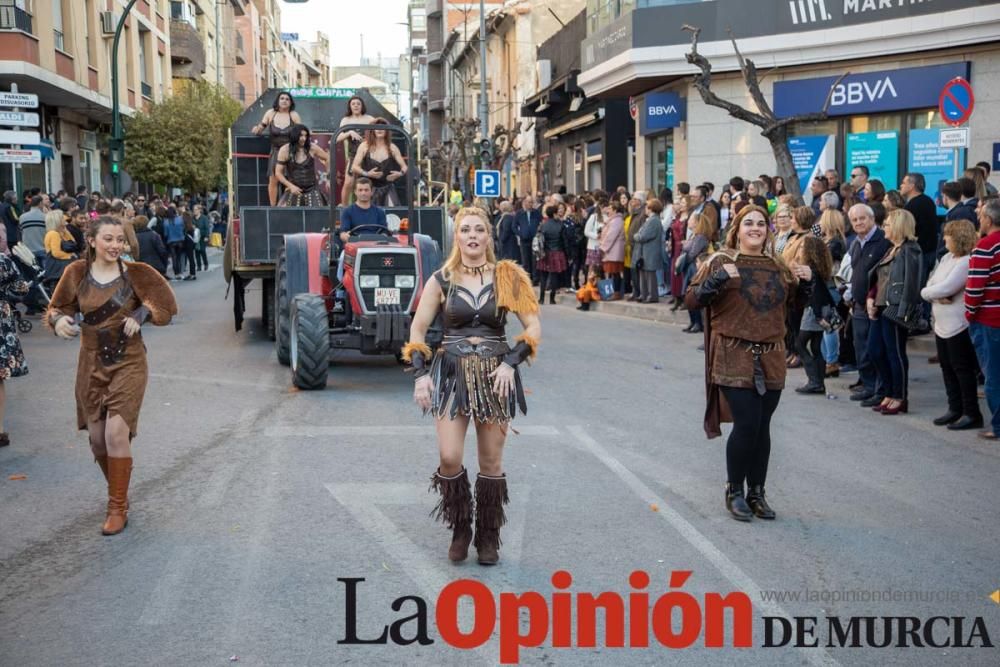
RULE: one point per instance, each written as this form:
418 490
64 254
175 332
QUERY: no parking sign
957 101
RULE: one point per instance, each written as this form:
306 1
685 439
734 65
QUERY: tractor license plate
386 296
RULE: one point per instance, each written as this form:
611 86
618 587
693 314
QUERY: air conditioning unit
544 70
108 23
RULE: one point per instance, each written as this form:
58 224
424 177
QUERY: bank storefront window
661 165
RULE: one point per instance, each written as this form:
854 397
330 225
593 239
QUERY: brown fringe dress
111 371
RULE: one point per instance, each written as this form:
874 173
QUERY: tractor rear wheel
309 341
281 334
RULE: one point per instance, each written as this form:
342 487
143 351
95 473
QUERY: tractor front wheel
309 343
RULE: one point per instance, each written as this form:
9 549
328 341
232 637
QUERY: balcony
15 18
187 51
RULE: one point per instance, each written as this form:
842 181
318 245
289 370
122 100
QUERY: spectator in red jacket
982 307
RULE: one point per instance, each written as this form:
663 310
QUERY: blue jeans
860 325
831 347
887 350
986 339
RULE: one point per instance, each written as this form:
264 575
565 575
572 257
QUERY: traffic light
116 153
486 152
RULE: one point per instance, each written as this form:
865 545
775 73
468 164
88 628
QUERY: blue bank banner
879 151
670 167
662 111
811 155
868 92
935 163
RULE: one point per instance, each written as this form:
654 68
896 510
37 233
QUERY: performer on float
297 169
473 377
375 159
112 299
746 289
357 114
278 120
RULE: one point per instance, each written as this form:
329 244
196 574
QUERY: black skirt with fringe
462 386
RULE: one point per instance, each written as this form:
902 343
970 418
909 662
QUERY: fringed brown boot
102 461
119 475
491 496
455 510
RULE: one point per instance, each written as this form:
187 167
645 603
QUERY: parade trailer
295 252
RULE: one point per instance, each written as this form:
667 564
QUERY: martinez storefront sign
662 111
870 92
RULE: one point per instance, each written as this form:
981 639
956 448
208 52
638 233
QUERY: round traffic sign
633 108
956 102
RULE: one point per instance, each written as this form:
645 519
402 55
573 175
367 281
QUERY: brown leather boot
455 510
491 496
119 475
102 461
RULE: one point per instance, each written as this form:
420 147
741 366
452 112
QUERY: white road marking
741 580
378 430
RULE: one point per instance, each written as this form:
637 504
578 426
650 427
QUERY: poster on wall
879 151
670 168
935 163
812 155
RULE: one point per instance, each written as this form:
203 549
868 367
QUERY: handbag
910 320
607 288
830 319
538 246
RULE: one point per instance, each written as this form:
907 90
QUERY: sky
345 21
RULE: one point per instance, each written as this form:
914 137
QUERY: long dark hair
295 134
364 108
291 100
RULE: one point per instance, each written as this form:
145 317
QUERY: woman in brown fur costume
473 377
112 299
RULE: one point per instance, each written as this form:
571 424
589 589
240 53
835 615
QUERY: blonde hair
832 224
55 221
900 226
963 236
703 225
454 261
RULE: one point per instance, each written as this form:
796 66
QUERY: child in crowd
589 292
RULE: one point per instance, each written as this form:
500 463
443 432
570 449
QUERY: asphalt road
250 500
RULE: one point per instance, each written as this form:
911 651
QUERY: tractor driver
361 212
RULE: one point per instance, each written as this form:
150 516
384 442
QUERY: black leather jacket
904 277
552 232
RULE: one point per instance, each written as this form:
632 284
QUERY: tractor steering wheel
375 229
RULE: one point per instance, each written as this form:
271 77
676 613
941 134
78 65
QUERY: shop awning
575 124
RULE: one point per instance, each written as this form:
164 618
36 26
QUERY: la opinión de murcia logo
638 619
814 11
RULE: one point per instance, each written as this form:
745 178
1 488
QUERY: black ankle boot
757 502
552 297
491 496
455 510
735 503
584 306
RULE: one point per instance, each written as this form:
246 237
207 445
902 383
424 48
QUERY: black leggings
749 447
809 346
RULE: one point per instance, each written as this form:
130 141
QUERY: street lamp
116 147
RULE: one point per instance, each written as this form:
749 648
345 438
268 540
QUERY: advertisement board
879 151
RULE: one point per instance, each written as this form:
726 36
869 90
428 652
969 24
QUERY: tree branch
749 70
703 82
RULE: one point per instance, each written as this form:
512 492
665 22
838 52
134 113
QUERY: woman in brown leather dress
278 122
112 299
297 169
473 377
375 160
746 290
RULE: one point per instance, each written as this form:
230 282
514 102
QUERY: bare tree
504 142
774 129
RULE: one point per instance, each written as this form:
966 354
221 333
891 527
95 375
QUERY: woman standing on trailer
115 298
357 114
473 377
279 120
375 159
297 169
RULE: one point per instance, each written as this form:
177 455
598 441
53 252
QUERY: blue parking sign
487 183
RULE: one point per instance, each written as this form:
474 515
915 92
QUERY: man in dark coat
924 211
508 246
526 226
868 248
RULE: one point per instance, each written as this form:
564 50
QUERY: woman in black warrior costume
473 377
297 169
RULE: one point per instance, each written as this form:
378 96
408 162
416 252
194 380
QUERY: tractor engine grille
388 266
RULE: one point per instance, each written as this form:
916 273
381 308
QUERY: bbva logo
660 110
857 92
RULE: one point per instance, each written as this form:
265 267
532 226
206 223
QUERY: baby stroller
37 295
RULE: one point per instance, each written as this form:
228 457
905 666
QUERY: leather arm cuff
525 350
140 315
706 292
417 355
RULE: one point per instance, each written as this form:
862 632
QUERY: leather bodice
302 174
386 166
466 315
279 135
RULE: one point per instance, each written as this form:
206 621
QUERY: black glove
419 364
707 291
517 355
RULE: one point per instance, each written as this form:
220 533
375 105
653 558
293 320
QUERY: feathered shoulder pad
513 289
